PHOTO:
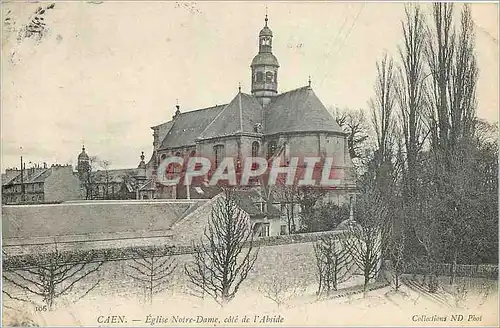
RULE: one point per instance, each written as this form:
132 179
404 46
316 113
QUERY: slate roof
298 110
240 115
188 126
247 201
8 176
265 58
29 176
114 176
83 218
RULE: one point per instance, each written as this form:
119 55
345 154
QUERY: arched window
219 154
255 149
177 167
259 77
271 149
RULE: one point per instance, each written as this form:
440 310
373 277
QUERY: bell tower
265 68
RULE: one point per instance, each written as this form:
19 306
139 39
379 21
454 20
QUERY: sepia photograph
260 164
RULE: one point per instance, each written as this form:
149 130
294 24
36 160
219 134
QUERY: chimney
177 111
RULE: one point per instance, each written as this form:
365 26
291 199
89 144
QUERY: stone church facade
264 123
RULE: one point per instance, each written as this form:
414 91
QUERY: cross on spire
239 86
309 81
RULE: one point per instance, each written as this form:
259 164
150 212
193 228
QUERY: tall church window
219 154
255 149
271 149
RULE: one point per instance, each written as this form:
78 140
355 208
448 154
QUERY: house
40 185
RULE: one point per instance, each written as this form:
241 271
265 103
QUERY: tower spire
265 67
266 17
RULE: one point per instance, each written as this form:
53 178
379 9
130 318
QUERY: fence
461 270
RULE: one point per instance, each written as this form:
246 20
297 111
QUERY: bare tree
382 110
295 197
89 178
96 171
397 259
105 164
333 262
308 199
289 197
363 238
50 275
152 268
452 62
354 123
410 87
226 252
280 289
411 98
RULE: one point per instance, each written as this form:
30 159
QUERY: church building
264 123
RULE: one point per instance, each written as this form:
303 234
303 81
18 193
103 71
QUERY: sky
105 73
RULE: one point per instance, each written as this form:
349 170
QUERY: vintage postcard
249 164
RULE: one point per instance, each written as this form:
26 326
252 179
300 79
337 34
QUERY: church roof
240 115
83 155
187 126
265 58
266 31
298 110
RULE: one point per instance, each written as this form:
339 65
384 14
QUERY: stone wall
290 258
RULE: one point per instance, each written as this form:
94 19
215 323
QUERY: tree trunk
454 266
